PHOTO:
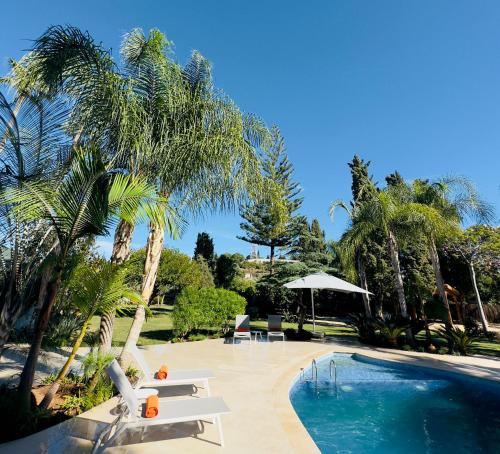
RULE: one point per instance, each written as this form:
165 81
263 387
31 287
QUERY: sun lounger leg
221 435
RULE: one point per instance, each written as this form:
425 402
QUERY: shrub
458 341
472 327
207 308
364 326
300 335
62 330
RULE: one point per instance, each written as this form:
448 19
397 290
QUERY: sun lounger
174 377
170 411
274 327
242 328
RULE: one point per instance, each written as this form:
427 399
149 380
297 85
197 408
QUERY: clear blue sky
411 85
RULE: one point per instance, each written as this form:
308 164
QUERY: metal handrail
334 364
314 370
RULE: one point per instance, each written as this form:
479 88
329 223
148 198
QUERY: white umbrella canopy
324 281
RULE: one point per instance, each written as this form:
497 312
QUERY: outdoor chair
174 377
242 328
169 411
274 327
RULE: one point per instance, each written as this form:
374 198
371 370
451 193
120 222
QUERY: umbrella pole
312 306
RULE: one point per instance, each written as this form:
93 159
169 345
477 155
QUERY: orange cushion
162 373
242 330
152 405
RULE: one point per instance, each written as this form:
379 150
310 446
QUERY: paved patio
254 379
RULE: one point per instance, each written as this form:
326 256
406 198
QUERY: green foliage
63 329
207 308
227 269
272 221
95 363
479 245
458 340
205 249
310 246
176 271
372 252
390 328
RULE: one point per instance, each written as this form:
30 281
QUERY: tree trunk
47 399
271 260
302 313
121 252
8 316
364 284
153 255
439 280
28 373
484 322
398 279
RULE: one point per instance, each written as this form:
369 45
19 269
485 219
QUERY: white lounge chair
274 327
242 328
170 411
174 377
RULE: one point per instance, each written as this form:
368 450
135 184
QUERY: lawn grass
158 329
485 347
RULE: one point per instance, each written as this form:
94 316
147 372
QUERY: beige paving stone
254 379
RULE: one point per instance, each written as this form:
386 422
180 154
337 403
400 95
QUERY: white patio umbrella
324 281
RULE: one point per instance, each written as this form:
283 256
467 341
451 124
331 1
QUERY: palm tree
99 289
80 206
205 148
34 146
442 205
165 122
383 212
359 263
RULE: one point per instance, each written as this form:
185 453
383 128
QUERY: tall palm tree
205 147
383 212
163 121
100 289
440 207
358 257
81 205
104 109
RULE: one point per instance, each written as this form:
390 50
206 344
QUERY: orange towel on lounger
242 330
162 373
152 405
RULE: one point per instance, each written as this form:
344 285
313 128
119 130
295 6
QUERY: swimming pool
381 407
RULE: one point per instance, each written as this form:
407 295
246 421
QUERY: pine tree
273 222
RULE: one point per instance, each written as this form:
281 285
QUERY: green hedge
206 308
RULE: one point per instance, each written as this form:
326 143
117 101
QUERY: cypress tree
205 248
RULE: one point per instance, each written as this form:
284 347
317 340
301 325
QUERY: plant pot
431 348
392 342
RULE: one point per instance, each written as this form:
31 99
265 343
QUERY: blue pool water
378 407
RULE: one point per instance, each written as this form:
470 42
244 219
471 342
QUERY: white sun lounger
174 377
242 323
274 327
170 411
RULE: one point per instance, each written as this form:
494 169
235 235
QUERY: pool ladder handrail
314 371
334 364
